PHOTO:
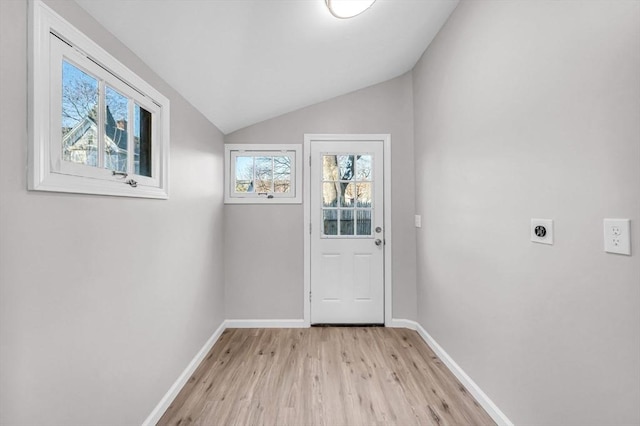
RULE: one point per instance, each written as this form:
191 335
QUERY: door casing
386 141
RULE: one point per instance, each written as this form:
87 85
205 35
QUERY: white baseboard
173 391
282 323
402 323
471 386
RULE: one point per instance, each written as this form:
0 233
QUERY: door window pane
142 141
346 222
330 194
79 116
363 222
115 130
330 167
363 167
349 197
330 222
346 167
363 194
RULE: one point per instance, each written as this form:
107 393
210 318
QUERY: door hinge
309 161
309 296
309 228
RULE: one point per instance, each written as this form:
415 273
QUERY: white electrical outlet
418 221
542 231
617 236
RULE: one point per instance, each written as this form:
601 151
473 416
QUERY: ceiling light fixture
344 9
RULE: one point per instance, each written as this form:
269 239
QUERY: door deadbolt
378 229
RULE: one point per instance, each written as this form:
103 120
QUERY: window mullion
253 180
273 174
101 116
130 138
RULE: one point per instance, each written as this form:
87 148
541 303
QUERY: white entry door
347 235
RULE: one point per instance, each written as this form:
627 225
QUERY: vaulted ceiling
244 61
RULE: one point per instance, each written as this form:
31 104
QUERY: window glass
363 220
330 222
363 194
282 174
80 120
345 164
346 222
79 116
115 130
363 167
347 194
142 141
330 193
262 173
330 167
244 174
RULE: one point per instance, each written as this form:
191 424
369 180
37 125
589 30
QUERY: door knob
378 241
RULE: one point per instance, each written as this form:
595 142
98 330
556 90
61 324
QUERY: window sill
55 182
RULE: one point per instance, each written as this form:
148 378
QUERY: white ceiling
243 61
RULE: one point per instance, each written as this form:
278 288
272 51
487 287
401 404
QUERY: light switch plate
542 231
418 221
617 236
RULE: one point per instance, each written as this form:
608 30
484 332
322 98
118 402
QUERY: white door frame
306 155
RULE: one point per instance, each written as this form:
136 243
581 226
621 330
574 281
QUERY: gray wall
531 109
520 109
103 300
264 244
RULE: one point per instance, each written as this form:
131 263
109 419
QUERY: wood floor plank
323 376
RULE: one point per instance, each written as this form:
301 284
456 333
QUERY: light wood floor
323 376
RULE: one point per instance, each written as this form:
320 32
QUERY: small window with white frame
95 126
263 174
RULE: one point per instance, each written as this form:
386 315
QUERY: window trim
43 174
295 194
